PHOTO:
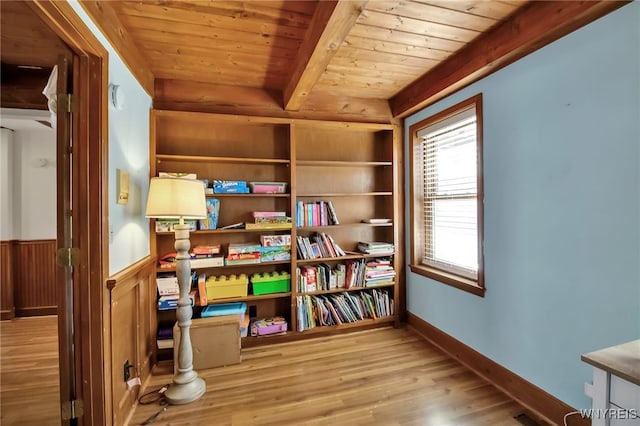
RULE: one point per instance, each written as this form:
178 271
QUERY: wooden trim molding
90 203
526 393
130 272
107 20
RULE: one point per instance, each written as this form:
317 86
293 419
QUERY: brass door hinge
66 102
68 256
72 409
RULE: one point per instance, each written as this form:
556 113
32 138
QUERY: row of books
317 246
342 308
324 277
318 213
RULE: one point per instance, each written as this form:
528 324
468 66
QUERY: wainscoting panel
7 309
34 277
131 306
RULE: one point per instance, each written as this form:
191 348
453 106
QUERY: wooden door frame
90 129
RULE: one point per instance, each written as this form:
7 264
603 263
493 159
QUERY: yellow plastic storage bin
224 286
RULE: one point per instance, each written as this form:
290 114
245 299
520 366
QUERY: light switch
122 186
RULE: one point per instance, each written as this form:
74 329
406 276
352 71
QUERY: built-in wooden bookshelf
354 165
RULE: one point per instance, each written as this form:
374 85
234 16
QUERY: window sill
456 281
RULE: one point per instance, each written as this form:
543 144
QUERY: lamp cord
156 395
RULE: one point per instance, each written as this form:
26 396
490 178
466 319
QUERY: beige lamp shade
176 197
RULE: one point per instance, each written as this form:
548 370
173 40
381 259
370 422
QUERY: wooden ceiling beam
105 18
528 29
329 26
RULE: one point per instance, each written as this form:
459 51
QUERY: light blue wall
129 151
562 209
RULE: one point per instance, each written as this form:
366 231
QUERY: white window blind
449 160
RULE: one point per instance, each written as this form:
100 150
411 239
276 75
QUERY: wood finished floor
29 383
379 377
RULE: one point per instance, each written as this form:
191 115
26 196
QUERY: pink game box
267 326
268 187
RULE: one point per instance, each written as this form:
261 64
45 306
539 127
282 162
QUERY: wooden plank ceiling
332 53
332 59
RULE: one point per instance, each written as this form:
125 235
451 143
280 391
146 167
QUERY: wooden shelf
345 194
343 290
246 265
249 195
329 259
342 225
227 160
322 163
249 298
357 324
226 231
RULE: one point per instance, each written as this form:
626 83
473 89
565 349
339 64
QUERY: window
447 197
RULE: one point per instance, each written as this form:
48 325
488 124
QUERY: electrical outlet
127 367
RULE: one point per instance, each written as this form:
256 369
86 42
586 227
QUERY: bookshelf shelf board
249 298
321 163
328 259
342 225
226 231
250 195
343 290
344 194
251 341
357 324
227 160
372 255
245 265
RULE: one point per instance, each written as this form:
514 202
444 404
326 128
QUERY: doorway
28 28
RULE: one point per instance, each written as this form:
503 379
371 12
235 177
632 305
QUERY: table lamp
171 198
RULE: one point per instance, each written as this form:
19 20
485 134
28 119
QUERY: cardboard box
215 342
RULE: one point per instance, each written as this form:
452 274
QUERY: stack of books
243 254
377 248
379 272
269 220
206 256
168 292
275 247
318 246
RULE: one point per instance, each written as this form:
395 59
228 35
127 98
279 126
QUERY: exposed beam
107 20
329 26
210 97
533 26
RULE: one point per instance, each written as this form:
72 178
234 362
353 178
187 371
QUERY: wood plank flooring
29 383
378 377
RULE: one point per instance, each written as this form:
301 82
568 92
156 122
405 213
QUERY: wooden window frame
416 196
